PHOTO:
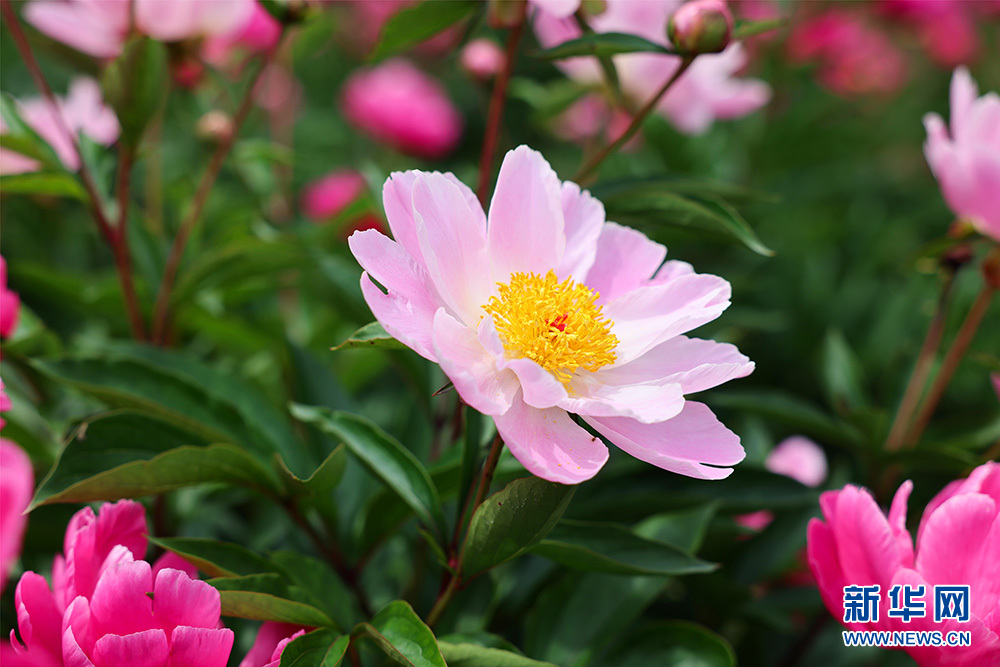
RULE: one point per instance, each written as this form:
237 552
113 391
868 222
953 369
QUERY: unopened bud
701 26
506 13
215 126
482 58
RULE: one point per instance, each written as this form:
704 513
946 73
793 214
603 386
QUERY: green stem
593 163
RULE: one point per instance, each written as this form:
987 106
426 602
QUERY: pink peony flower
101 27
957 543
17 482
797 457
854 58
325 197
93 607
260 32
272 638
966 160
542 309
83 111
946 28
10 303
708 91
482 58
397 104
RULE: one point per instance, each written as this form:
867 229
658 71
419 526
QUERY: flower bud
215 126
701 26
592 8
482 58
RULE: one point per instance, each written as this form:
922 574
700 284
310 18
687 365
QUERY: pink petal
693 363
683 444
549 444
824 563
984 479
407 310
963 96
90 538
647 316
141 649
470 367
79 27
77 634
268 637
558 8
646 403
452 246
526 229
897 519
39 619
200 647
539 387
120 603
180 600
803 460
626 259
584 220
17 484
171 560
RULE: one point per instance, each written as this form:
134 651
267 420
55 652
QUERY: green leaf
403 636
21 137
672 643
684 529
370 335
795 414
471 655
319 586
842 374
615 549
127 455
412 25
385 457
746 29
46 183
511 521
266 597
711 216
319 648
187 392
135 83
215 558
602 45
321 483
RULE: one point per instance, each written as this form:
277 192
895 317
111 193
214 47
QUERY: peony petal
558 8
180 600
264 646
549 444
803 460
526 229
540 388
76 26
452 246
683 444
647 316
470 367
140 649
646 403
38 617
90 538
77 634
693 363
824 563
584 219
200 647
120 603
626 259
963 95
172 561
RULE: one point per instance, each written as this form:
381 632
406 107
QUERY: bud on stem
701 26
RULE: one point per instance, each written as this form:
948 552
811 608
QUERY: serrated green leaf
511 521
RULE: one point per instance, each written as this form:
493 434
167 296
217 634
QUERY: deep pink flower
957 543
10 303
482 58
83 111
946 28
17 482
94 590
543 309
272 638
325 197
260 32
966 159
708 91
100 27
401 106
853 57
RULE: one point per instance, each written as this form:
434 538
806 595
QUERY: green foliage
602 45
135 84
400 633
413 25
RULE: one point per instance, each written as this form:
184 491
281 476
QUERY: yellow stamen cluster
555 324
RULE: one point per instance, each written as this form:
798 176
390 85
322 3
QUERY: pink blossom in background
590 118
946 28
272 638
83 111
482 58
17 484
488 297
995 379
259 33
958 540
325 197
797 457
853 58
98 572
100 28
10 303
965 157
708 91
397 104
560 9
365 21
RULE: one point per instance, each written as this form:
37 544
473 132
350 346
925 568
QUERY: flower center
555 324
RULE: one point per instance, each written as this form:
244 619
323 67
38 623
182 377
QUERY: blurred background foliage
837 188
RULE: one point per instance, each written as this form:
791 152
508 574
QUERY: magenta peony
17 482
272 638
966 159
957 544
534 313
397 104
